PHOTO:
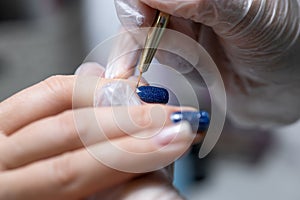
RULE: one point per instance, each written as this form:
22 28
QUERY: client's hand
55 145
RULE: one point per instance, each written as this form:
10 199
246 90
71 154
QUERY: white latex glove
255 44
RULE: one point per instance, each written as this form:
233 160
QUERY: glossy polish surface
198 120
151 94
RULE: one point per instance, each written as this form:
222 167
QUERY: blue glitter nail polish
198 120
151 94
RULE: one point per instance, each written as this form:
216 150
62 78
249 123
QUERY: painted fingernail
199 121
174 134
151 94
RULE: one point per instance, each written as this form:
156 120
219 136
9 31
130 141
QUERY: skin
43 157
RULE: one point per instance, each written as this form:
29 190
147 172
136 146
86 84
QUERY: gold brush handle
152 42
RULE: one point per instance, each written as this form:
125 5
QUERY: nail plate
174 134
199 121
151 94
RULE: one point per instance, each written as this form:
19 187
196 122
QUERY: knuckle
149 115
56 85
142 116
66 124
64 174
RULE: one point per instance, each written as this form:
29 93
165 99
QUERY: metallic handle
152 41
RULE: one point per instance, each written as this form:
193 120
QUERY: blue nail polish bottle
198 120
151 94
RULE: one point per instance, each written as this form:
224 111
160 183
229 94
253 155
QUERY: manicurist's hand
55 144
255 44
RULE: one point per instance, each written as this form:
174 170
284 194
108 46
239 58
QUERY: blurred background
40 38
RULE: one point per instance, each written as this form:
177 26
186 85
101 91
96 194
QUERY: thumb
212 13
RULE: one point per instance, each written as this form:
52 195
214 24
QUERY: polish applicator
152 41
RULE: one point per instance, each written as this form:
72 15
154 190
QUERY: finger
123 57
129 11
75 129
209 12
47 98
134 13
146 187
78 174
90 69
60 179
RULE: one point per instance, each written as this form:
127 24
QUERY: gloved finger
123 56
134 14
249 30
90 69
248 27
130 11
77 174
208 12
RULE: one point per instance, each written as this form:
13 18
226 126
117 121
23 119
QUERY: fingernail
129 14
151 94
199 121
174 134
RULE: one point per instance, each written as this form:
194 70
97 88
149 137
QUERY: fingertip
174 134
134 13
